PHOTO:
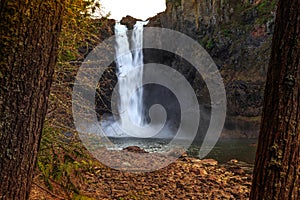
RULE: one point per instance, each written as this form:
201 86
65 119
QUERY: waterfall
131 121
129 61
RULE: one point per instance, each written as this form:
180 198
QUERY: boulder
134 149
129 21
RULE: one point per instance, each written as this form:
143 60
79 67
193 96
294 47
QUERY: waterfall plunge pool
224 151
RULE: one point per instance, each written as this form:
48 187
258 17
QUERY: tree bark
277 165
29 33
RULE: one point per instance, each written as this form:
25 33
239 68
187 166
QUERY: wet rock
237 170
134 149
239 167
233 161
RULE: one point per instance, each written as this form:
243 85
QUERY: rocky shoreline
186 178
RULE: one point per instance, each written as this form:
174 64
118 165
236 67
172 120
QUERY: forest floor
186 178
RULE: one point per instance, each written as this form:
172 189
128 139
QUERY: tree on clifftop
29 33
277 164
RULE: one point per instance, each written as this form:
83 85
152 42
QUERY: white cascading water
129 60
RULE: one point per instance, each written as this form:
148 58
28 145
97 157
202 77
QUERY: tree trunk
277 164
29 33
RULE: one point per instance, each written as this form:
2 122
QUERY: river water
224 151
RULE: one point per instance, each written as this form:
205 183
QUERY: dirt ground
186 178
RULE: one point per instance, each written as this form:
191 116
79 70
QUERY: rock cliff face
237 34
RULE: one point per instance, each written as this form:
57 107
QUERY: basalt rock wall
237 35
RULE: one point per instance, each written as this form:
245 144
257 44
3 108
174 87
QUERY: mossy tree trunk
29 31
277 164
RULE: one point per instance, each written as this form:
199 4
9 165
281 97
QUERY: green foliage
266 6
56 159
226 32
62 158
210 44
265 9
77 29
